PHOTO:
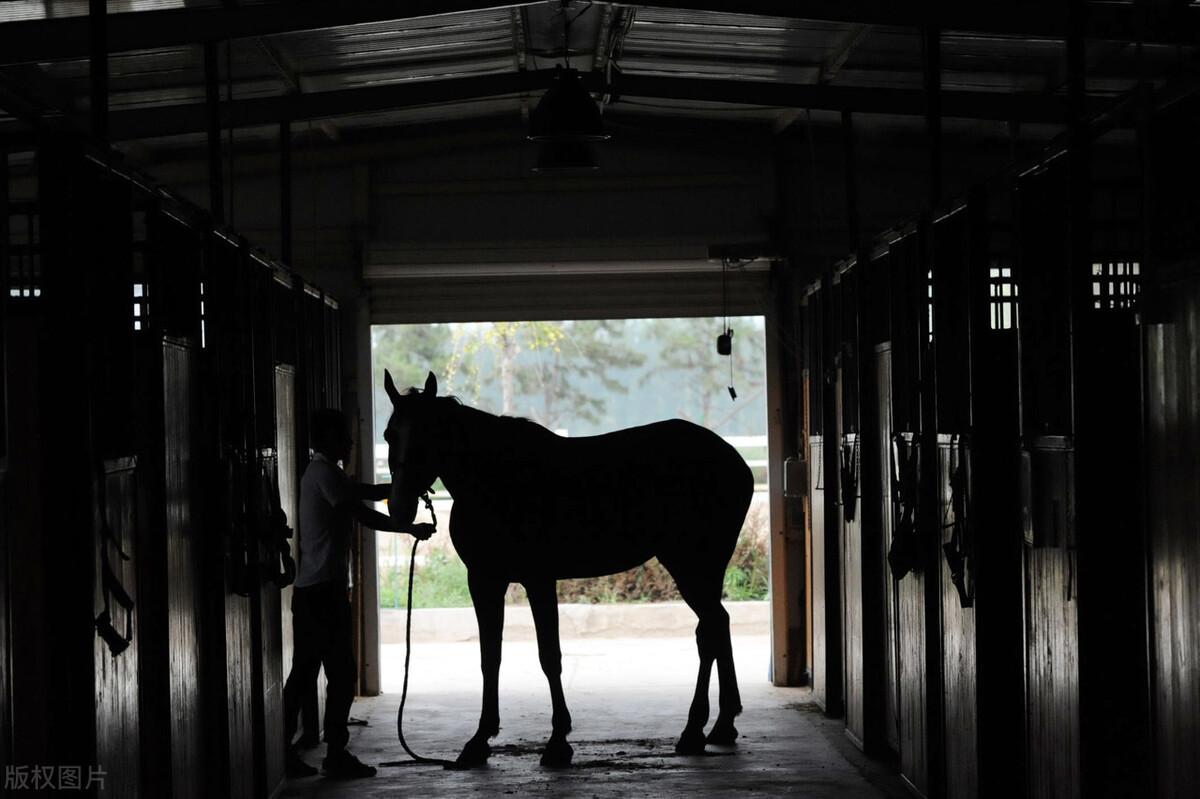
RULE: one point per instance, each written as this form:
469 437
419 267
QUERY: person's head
329 434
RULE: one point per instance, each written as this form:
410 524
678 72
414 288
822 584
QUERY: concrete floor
628 699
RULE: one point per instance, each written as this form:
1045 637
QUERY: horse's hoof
723 735
557 754
690 743
473 755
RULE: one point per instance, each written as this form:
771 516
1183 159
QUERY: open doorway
580 378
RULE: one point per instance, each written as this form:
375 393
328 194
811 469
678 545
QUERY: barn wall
5 580
179 420
1173 472
182 698
1171 347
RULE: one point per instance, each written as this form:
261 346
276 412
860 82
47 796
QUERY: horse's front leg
543 601
487 594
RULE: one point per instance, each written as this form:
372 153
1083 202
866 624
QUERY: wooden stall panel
908 304
183 563
910 633
852 563
1051 635
239 677
883 384
855 589
271 644
289 488
958 636
956 561
117 705
1173 472
1052 677
816 490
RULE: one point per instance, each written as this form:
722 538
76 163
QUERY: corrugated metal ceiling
642 41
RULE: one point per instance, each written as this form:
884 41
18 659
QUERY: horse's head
409 435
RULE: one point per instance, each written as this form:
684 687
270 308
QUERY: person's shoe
295 768
342 765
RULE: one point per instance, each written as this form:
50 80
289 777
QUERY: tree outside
583 377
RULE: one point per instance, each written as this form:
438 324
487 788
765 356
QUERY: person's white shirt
324 529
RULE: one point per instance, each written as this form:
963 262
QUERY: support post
832 532
932 39
98 67
5 582
285 192
929 501
212 94
370 672
852 222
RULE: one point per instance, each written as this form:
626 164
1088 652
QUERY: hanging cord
568 21
727 332
412 563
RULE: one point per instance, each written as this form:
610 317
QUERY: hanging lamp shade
566 112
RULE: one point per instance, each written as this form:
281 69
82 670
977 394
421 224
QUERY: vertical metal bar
371 654
1150 311
6 648
1091 725
98 67
932 68
1078 178
4 303
830 453
929 520
285 192
852 222
231 218
212 93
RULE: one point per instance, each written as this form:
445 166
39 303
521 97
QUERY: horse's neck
475 444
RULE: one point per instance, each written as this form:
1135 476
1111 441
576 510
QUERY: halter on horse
671 490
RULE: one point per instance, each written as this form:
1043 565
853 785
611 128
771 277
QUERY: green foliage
687 352
584 351
749 572
409 352
539 367
441 583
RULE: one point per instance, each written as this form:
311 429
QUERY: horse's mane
506 423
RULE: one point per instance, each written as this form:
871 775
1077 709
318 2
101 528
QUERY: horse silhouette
603 504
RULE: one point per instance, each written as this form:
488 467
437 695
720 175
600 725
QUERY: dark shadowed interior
970 230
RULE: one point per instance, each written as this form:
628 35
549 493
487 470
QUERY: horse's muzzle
402 509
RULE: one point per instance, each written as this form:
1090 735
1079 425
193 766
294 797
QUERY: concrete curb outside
650 620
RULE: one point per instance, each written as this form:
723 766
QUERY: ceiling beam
189 118
67 37
172 120
900 102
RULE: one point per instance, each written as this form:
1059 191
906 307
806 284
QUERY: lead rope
408 653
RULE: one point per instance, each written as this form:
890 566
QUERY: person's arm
369 492
341 493
377 521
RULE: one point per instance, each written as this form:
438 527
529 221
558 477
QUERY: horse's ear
390 386
431 386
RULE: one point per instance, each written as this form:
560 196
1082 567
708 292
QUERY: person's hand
423 531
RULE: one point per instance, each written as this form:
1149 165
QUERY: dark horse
604 504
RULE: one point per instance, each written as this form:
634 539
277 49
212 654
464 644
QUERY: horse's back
581 507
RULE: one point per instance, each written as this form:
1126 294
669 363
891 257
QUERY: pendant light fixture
566 122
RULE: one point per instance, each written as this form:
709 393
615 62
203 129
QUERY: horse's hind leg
703 595
543 601
723 733
487 594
